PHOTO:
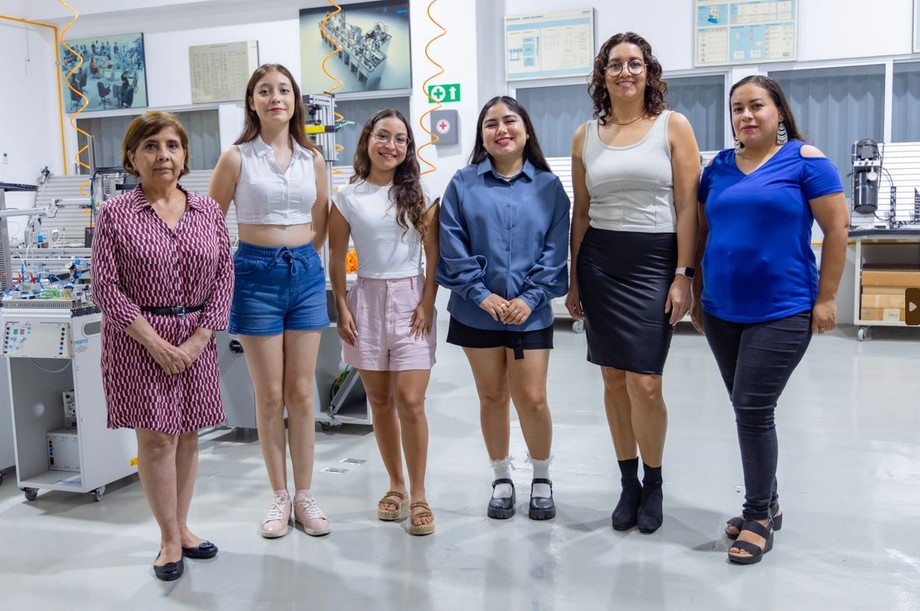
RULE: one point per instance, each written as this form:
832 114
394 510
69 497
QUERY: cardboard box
883 301
884 290
885 314
903 276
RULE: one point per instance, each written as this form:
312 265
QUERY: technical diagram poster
745 32
549 45
916 26
220 73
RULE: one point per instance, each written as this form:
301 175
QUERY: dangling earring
782 136
738 146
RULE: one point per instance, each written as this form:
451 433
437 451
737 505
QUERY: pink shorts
382 311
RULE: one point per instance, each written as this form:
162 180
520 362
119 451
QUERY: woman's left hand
678 303
824 316
194 345
420 326
516 313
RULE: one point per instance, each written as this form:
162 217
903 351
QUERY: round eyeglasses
399 141
635 66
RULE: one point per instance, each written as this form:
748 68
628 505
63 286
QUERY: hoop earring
738 146
782 136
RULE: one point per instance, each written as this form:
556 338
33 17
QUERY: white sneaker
277 521
308 513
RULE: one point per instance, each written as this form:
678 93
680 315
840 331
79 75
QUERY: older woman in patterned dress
163 278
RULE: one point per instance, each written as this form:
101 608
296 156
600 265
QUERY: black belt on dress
173 311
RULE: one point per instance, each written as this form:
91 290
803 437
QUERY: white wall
31 134
169 31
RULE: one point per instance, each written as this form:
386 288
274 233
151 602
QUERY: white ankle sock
541 471
501 469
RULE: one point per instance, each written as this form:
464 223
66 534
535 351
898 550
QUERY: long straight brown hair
252 127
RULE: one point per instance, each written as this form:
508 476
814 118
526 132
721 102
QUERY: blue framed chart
549 45
744 32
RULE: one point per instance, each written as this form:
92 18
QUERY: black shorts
465 336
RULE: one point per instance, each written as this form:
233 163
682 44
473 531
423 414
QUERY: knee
614 380
494 399
298 396
411 407
381 403
645 389
755 417
270 402
532 404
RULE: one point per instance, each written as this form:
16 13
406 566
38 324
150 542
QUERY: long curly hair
407 184
532 151
779 99
655 87
252 126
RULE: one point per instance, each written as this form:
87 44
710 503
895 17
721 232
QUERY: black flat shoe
542 507
501 509
626 513
650 516
170 571
201 552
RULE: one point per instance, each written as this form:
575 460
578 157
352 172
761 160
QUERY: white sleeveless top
631 187
267 196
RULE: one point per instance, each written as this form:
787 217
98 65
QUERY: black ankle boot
650 512
625 515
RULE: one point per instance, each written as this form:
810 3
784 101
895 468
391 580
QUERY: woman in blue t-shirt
760 295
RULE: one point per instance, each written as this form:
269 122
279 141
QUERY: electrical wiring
433 137
73 117
338 82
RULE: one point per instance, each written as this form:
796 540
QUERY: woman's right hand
573 304
496 306
346 325
171 359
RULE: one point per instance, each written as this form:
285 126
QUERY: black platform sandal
738 522
756 552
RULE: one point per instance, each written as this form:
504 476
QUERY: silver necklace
510 176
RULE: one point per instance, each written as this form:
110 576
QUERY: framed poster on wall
549 45
220 72
916 26
369 42
112 74
744 31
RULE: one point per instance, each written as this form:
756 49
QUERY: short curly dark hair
655 87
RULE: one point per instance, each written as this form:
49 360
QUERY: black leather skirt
623 283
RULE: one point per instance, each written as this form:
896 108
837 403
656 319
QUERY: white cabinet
54 359
883 248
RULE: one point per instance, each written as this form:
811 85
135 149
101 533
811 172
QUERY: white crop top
267 196
385 250
631 187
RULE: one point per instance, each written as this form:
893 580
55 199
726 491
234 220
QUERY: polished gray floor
849 481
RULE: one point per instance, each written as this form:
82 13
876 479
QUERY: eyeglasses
635 66
384 138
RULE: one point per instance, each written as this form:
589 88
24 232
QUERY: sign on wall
220 73
111 75
549 45
744 32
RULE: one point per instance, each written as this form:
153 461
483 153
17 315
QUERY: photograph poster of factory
371 45
108 73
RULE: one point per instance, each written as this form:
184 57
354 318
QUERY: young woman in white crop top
277 178
387 319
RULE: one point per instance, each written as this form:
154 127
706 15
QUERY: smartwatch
685 271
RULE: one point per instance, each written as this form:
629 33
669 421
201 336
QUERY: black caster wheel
31 493
97 493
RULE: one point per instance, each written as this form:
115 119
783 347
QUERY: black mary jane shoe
170 571
200 552
542 507
501 509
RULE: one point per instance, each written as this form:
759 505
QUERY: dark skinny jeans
756 360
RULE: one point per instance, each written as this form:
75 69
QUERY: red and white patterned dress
139 261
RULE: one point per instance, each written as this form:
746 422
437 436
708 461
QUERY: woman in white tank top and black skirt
635 172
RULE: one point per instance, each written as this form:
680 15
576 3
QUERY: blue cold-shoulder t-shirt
758 264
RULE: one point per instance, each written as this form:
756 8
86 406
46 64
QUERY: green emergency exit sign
444 93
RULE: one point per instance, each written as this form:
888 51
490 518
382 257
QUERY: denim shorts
277 290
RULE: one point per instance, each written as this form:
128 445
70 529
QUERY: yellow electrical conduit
338 83
433 137
73 117
57 78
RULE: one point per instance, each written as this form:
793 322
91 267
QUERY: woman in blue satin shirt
504 226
